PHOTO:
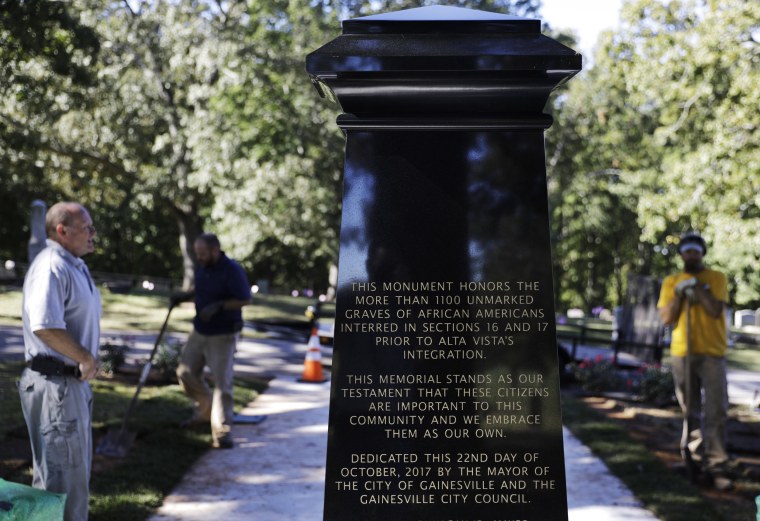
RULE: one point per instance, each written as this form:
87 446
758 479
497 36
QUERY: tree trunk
190 227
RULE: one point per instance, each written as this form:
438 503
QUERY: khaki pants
58 414
704 427
217 352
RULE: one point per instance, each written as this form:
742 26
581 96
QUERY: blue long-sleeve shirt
220 281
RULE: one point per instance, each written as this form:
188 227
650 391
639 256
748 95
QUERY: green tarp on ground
22 503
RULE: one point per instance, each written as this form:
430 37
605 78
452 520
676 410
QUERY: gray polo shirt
60 294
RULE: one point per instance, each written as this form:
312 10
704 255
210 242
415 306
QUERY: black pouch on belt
50 366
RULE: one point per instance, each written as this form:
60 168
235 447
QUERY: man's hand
210 310
59 340
89 368
685 288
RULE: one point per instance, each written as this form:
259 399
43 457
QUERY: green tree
667 112
130 151
68 137
593 209
45 52
277 203
196 114
704 93
280 202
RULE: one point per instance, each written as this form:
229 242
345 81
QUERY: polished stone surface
445 391
446 207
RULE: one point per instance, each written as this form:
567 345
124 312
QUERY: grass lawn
144 311
744 356
668 495
131 488
135 486
589 331
10 305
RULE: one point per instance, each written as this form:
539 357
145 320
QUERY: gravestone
445 390
640 330
744 317
38 235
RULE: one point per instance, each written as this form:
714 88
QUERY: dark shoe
735 469
722 482
723 475
690 470
223 443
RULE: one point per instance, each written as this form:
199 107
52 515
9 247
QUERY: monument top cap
438 13
438 59
444 17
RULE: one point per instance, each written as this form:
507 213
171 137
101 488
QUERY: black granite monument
445 390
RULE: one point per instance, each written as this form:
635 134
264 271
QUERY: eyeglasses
90 229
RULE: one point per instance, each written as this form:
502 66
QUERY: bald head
69 224
62 213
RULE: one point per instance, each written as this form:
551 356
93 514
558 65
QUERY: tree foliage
168 117
658 138
528 8
198 116
45 62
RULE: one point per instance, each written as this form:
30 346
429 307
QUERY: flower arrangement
654 383
167 359
113 353
597 375
649 383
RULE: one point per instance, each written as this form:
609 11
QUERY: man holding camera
61 316
693 303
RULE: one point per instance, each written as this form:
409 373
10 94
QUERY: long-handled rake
692 468
117 441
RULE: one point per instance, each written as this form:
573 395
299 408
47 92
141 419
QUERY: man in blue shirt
221 290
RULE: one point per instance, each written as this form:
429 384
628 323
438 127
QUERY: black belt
49 366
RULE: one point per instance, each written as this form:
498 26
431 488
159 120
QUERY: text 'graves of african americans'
446 321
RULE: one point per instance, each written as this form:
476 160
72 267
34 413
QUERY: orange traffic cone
312 364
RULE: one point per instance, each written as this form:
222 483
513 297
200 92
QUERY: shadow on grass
668 495
131 488
134 487
10 406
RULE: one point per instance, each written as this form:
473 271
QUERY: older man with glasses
61 316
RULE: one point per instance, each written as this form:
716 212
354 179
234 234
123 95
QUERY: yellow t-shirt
708 334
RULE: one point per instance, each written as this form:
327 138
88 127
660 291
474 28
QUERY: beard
692 266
